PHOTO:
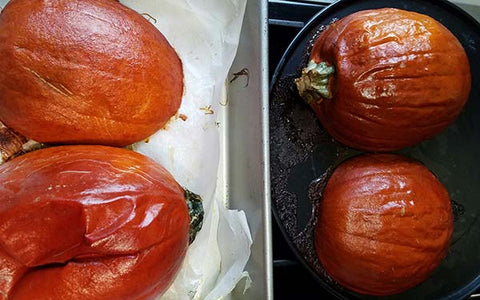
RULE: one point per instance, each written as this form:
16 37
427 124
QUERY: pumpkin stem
195 210
313 84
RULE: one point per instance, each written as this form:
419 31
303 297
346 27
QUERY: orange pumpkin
385 79
85 72
384 224
90 222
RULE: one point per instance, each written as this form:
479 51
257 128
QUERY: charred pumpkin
384 224
385 79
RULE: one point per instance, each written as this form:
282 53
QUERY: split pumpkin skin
89 222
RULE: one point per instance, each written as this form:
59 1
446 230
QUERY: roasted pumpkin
85 72
91 222
385 79
384 224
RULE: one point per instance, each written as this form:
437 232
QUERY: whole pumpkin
89 222
384 224
385 79
85 72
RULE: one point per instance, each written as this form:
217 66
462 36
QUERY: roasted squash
85 72
384 224
385 79
91 222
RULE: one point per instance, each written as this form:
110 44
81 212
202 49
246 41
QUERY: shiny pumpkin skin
384 224
400 78
85 72
89 222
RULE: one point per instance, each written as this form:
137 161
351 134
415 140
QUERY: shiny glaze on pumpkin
384 224
85 71
89 222
400 78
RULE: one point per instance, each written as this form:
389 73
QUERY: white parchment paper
205 34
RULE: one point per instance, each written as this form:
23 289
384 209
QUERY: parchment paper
205 34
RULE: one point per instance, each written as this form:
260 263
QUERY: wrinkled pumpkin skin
384 224
85 72
89 222
400 78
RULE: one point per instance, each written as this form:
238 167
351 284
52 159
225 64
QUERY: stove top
286 19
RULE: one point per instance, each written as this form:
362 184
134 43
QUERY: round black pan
303 155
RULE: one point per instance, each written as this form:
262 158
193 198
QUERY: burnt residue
305 239
457 209
242 72
302 156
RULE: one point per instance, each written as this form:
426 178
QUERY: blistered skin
85 71
400 78
384 224
89 222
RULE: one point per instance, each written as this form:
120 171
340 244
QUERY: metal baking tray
245 148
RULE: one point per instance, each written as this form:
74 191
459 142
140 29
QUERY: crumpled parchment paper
205 34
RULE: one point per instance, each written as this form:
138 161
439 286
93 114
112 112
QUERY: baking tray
244 146
303 154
